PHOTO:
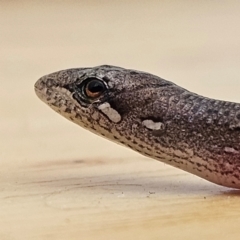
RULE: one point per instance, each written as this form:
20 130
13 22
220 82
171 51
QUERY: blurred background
192 43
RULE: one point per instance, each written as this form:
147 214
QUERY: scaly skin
152 116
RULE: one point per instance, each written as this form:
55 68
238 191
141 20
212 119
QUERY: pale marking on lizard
153 125
112 114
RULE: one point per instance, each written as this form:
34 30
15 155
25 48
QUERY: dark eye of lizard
94 88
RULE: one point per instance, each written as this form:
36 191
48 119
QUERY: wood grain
58 181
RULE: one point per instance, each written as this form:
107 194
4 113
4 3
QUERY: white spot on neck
111 113
153 125
230 150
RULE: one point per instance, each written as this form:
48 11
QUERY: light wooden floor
58 181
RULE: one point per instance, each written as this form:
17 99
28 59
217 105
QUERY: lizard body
152 116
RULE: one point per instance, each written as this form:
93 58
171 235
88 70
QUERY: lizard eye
94 88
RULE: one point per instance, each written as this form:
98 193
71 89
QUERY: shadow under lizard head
100 96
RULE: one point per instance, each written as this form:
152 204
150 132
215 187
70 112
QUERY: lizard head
105 97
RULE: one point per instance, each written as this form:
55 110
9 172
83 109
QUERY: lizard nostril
50 82
44 83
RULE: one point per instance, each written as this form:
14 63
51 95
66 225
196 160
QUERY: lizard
152 116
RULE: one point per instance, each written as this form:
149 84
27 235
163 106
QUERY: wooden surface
58 181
